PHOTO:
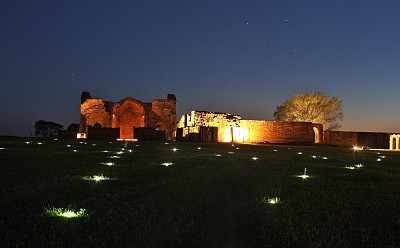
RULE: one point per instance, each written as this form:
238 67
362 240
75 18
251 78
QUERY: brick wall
344 138
232 128
281 132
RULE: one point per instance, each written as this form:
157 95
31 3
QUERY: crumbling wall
94 111
231 128
192 123
163 116
212 119
128 114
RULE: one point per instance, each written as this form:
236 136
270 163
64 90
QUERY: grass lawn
197 195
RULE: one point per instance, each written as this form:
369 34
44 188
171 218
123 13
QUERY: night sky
243 57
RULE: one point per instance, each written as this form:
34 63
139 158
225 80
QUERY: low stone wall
367 139
340 138
103 133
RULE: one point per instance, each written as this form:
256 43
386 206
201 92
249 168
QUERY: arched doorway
97 125
130 114
317 139
394 142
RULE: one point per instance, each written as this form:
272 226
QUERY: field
197 195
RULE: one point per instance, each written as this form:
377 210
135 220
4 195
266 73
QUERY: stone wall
162 116
282 132
192 122
231 128
102 133
366 139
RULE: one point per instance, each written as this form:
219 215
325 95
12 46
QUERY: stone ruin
226 127
128 118
131 119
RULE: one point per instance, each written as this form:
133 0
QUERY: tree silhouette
47 128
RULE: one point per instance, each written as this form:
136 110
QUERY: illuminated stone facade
128 114
394 142
196 121
232 128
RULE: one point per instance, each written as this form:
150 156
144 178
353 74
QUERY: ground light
108 163
66 212
174 149
254 158
357 166
166 164
272 201
304 176
114 156
96 178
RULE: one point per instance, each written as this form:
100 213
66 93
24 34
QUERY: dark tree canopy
47 128
312 107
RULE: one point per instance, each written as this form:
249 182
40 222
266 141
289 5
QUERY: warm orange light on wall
236 134
240 134
228 134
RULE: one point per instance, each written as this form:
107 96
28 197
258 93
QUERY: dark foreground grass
209 197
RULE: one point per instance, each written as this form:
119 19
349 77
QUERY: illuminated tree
47 128
312 107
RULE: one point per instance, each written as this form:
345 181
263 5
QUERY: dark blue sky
244 57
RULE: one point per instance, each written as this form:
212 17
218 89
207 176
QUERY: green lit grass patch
66 212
